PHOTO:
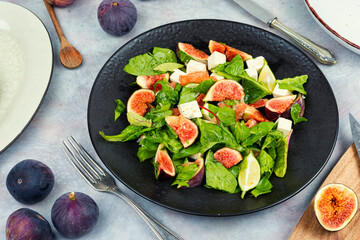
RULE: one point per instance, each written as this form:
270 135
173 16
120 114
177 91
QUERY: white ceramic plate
25 71
340 19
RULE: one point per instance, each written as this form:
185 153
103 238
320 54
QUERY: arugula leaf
266 163
293 84
258 131
184 173
204 86
168 67
254 90
185 58
281 157
240 131
167 95
185 152
137 120
295 114
164 55
147 149
119 109
263 187
217 176
227 116
131 132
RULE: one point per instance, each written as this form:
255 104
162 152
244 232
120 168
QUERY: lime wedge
267 77
249 175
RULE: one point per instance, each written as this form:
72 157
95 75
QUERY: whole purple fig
61 3
25 224
74 214
30 181
117 17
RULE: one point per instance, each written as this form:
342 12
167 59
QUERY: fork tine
84 160
101 170
79 167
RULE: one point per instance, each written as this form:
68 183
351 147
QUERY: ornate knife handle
323 55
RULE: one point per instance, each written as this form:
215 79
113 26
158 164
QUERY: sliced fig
216 46
260 103
335 205
197 179
165 166
225 89
148 82
253 113
139 101
239 109
193 77
186 129
299 100
200 99
250 123
232 52
276 106
228 157
191 53
175 111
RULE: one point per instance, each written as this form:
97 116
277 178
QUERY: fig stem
217 119
72 196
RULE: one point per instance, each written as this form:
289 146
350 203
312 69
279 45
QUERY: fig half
335 205
276 106
299 100
228 157
139 100
164 166
197 179
186 52
148 82
186 129
225 89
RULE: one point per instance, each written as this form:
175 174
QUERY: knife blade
355 130
320 53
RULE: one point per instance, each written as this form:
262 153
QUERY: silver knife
355 130
322 54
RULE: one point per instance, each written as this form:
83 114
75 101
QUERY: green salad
221 120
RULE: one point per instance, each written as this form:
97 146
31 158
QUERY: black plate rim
199 213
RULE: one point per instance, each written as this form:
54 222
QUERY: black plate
310 147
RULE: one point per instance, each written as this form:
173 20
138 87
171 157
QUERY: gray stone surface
63 112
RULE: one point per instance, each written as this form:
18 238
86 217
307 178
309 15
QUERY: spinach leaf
226 116
119 109
235 170
293 84
187 94
185 58
167 95
257 132
137 120
240 131
236 66
147 149
281 157
204 86
184 173
272 152
168 67
131 132
254 90
270 140
166 137
217 176
158 114
295 114
185 152
266 163
263 187
164 55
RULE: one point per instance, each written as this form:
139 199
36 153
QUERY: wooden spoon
69 56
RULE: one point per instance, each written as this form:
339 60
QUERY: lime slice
249 175
267 77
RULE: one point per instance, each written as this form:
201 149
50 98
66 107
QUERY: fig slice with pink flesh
139 100
276 106
299 100
148 82
228 157
165 167
225 89
186 129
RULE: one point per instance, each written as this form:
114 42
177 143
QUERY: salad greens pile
268 144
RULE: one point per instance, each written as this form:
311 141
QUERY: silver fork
102 181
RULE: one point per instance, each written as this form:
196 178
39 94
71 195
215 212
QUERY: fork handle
150 220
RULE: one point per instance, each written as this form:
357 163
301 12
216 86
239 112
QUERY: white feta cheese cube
218 77
190 109
252 73
256 63
175 75
215 59
278 92
284 126
194 66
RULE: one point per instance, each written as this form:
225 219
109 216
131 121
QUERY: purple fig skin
299 100
25 224
61 3
30 181
117 17
197 179
74 218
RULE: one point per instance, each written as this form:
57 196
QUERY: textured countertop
63 112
